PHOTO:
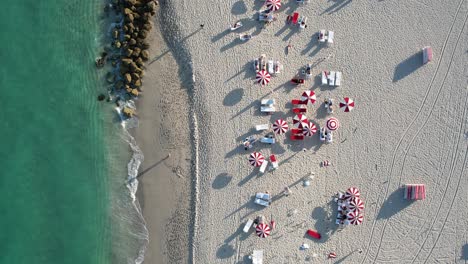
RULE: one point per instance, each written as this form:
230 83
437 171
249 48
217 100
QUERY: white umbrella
300 120
309 97
280 126
273 5
263 77
256 159
347 104
333 124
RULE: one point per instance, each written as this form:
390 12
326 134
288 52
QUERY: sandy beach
408 126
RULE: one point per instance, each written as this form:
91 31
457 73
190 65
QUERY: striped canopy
263 77
347 104
280 126
256 159
263 230
308 97
273 5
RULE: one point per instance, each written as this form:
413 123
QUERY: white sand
409 126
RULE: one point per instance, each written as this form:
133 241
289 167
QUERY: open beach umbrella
263 230
300 120
332 124
347 104
256 159
280 126
351 193
263 77
356 205
273 5
308 97
354 218
310 129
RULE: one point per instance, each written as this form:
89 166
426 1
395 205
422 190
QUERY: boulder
119 85
128 52
127 37
145 55
135 77
132 42
151 6
139 62
130 2
115 34
135 92
101 97
127 61
128 78
136 52
135 34
127 11
147 26
118 44
130 17
137 83
143 33
110 77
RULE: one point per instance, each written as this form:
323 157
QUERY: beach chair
267 102
263 166
331 78
415 192
329 137
297 81
338 78
261 202
299 110
267 140
278 67
314 234
302 22
274 162
330 37
427 54
324 77
322 37
257 257
267 109
297 102
262 127
296 137
296 131
247 226
322 134
295 18
270 67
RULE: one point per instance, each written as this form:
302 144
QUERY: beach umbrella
354 218
310 129
300 120
332 124
256 159
263 230
351 193
280 126
356 205
308 97
347 104
263 77
332 255
273 5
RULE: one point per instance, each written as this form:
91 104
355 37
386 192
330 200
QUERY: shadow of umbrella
239 8
394 204
221 181
225 251
408 66
233 97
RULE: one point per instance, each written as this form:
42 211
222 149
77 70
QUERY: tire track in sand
404 135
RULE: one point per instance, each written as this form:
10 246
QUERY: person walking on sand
287 191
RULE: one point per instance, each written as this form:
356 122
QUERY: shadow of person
394 204
239 8
225 251
337 6
221 181
322 111
313 42
233 97
408 66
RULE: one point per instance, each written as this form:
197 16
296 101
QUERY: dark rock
136 52
145 55
118 44
128 52
127 37
127 11
147 26
110 77
101 97
135 77
115 34
128 78
132 42
130 17
139 62
127 61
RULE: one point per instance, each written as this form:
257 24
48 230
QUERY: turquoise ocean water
63 194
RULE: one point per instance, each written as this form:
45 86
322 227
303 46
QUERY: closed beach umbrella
351 193
356 204
347 104
300 120
354 218
263 230
273 5
263 77
256 159
280 126
333 124
310 129
308 97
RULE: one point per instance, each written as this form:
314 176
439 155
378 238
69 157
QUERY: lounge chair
262 127
297 81
302 22
314 234
322 134
415 192
297 102
324 77
329 137
322 37
267 109
299 110
267 140
274 162
331 78
330 37
338 78
263 166
267 102
278 67
261 202
256 64
296 137
270 67
295 18
257 257
262 199
427 54
247 225
296 131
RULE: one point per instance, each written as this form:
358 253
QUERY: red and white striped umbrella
347 104
310 129
263 77
351 193
256 159
280 126
308 97
263 230
300 120
354 218
273 5
356 205
333 124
